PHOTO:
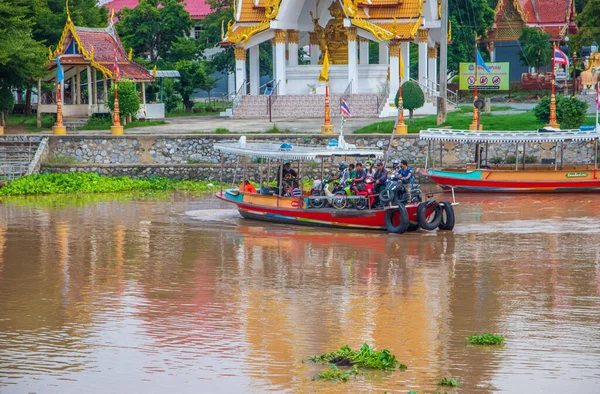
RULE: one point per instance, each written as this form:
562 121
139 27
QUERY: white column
78 84
254 71
383 52
293 47
432 69
405 48
143 93
423 35
394 48
315 50
240 68
353 59
280 61
274 53
364 51
492 50
231 83
90 91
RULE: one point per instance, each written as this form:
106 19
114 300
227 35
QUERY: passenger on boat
344 174
352 171
369 168
395 166
287 174
358 181
406 173
247 187
380 178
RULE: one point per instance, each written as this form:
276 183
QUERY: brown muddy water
181 295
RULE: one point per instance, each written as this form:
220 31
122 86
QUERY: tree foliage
570 111
412 98
468 18
129 100
192 76
153 26
536 49
588 22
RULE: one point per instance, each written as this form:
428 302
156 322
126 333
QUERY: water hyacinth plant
486 339
334 373
366 357
453 382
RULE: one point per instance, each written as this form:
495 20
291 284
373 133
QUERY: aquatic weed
486 339
334 373
366 357
453 382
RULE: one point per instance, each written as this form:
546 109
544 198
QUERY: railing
432 90
15 160
383 95
238 97
263 87
271 100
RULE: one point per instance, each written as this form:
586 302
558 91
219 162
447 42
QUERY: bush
412 98
570 111
129 101
172 102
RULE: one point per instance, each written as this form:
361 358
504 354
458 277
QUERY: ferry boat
264 205
554 177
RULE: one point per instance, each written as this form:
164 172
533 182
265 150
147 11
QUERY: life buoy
396 220
427 221
447 223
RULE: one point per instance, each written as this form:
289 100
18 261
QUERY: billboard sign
497 79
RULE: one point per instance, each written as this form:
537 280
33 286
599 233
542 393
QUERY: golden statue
334 37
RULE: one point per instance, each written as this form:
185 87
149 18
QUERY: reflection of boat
301 209
517 177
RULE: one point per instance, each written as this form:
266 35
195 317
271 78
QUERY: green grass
205 109
461 120
222 130
105 125
28 123
453 382
60 159
80 182
366 357
486 339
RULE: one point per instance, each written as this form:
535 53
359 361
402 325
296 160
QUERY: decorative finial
50 53
92 53
68 12
130 55
112 16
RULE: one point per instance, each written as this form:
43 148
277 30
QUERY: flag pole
400 128
553 122
327 127
116 128
476 123
59 128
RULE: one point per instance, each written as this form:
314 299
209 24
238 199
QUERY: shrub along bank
92 183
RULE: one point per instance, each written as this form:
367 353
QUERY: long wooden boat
302 210
519 177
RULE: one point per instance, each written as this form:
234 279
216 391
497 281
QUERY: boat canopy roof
507 136
286 151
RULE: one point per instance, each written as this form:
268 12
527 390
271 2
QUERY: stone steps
74 123
15 156
306 106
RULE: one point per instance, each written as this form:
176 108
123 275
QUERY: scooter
394 192
365 200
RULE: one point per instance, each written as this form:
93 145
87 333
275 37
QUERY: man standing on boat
405 172
287 174
380 176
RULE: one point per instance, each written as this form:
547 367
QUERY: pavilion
344 28
88 53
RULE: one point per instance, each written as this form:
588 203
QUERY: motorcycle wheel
386 195
339 201
362 203
316 202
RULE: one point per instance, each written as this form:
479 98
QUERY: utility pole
443 77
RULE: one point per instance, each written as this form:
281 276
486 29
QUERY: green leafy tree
208 84
129 100
468 18
588 25
153 26
186 48
412 98
536 49
7 101
171 98
192 76
570 111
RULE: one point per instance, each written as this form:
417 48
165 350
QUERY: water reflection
140 296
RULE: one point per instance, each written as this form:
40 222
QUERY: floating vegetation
486 339
334 373
366 357
453 382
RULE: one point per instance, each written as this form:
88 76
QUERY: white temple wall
305 79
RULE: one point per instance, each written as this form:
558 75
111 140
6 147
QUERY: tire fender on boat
402 220
447 223
426 221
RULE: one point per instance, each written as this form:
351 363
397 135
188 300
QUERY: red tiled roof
198 9
546 11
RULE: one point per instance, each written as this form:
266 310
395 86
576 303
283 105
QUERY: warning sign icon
483 80
496 80
471 80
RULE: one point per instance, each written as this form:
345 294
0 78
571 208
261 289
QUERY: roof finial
68 13
112 16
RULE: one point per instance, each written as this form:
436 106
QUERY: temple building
555 17
344 28
87 57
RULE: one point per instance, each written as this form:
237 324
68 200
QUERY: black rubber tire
362 203
340 201
316 203
447 223
413 227
403 222
386 195
422 218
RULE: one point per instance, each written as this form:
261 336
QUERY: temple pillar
394 48
280 61
78 84
39 95
363 50
315 50
352 59
254 70
432 69
90 91
383 52
143 93
105 89
293 47
240 69
274 54
492 51
405 48
423 35
62 91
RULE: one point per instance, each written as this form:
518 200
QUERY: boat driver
406 173
380 178
287 173
358 181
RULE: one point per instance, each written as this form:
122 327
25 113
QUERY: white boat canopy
507 136
286 151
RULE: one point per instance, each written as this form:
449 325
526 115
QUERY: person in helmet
344 173
395 166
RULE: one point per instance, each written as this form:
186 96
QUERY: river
179 294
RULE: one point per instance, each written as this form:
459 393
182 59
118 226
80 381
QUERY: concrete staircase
74 123
20 155
306 106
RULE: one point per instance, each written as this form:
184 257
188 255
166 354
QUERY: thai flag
116 71
560 57
344 108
